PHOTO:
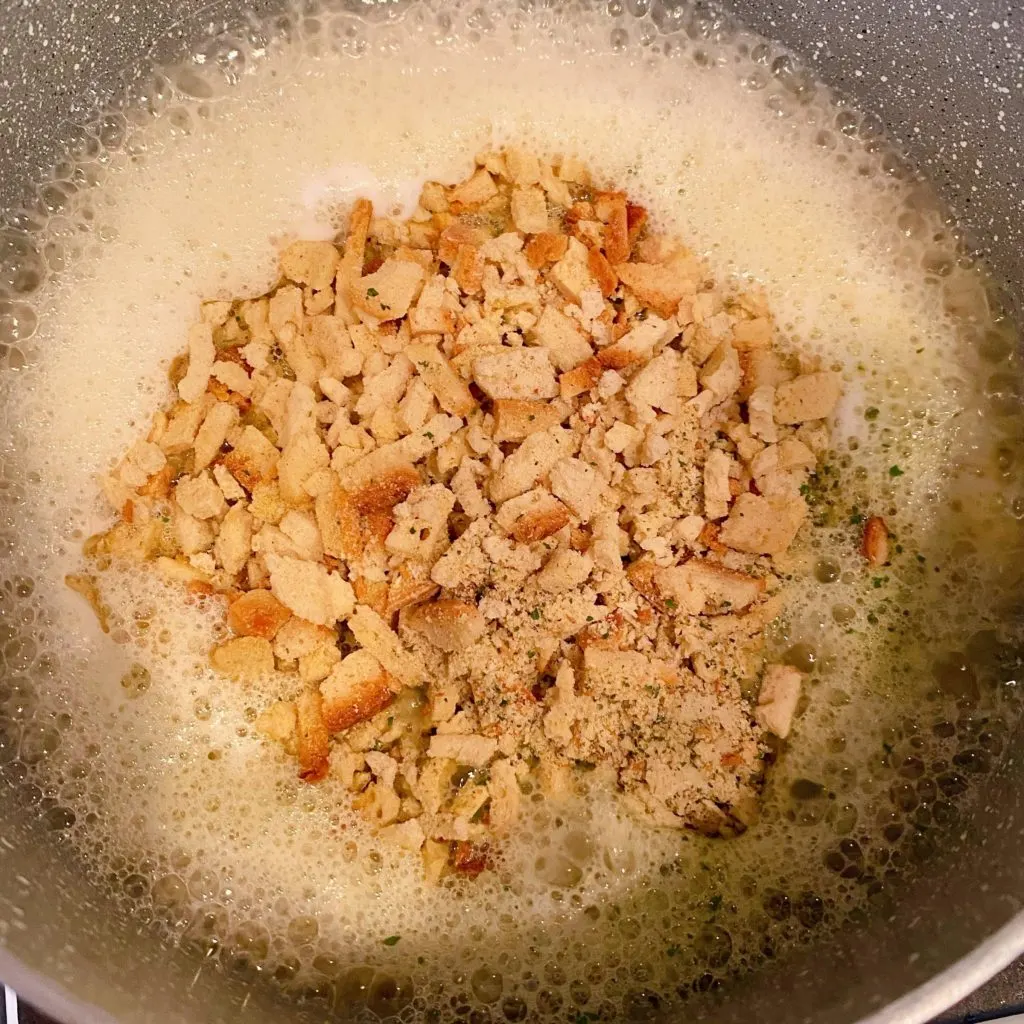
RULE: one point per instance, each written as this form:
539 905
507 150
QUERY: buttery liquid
148 764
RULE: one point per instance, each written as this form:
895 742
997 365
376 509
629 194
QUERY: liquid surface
148 764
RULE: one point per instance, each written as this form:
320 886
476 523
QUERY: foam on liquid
148 761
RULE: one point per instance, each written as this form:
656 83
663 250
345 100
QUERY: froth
732 148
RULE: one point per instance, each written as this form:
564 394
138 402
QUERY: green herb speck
895 471
392 940
535 614
372 293
871 414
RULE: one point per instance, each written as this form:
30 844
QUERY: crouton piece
229 486
417 406
421 524
318 664
233 542
200 497
257 613
296 638
717 495
285 312
546 247
565 570
312 263
529 209
468 269
702 587
611 209
721 373
302 457
622 437
578 485
529 463
410 584
522 373
301 529
385 389
474 751
638 344
571 274
252 459
266 503
185 421
279 723
777 701
388 293
761 368
201 356
472 193
193 535
752 334
874 545
212 434
544 517
142 460
351 267
338 520
450 390
244 658
504 793
467 491
580 379
811 396
373 633
661 286
516 419
449 625
309 590
662 384
84 584
602 272
329 338
356 690
523 167
763 525
761 413
562 338
313 739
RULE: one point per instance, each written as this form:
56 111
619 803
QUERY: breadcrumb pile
500 490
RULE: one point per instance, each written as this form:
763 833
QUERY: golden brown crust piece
257 613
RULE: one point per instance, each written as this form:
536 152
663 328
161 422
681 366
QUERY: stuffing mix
503 489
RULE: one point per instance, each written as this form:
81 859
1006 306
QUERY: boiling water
148 765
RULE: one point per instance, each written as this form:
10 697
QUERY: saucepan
944 83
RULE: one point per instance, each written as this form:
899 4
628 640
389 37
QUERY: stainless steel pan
946 81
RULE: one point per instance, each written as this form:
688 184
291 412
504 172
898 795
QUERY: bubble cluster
147 763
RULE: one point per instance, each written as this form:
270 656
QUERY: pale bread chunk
562 338
449 624
355 690
376 636
309 590
244 658
201 357
388 293
474 751
200 497
763 525
523 373
811 396
777 701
